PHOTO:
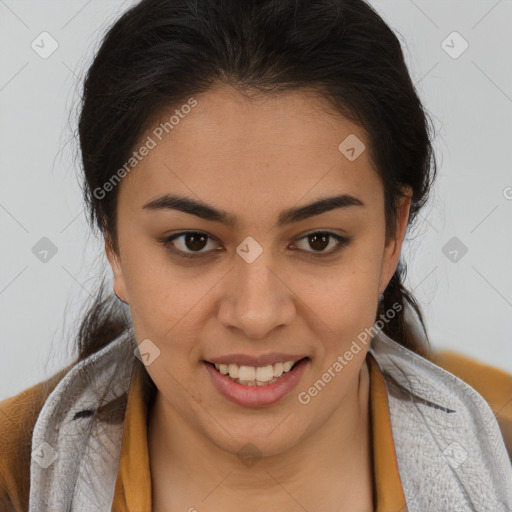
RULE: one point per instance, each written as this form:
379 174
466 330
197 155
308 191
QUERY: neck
332 466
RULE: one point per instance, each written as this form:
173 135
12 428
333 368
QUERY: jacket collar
75 455
450 451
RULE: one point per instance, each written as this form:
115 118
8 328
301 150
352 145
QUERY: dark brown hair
161 52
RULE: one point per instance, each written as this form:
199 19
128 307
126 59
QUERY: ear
393 246
115 264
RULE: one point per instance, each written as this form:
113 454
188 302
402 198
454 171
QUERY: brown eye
195 241
320 240
192 242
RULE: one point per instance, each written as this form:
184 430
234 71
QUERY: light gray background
468 303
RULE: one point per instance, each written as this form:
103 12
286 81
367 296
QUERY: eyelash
167 243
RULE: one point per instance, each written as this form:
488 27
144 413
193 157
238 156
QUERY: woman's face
257 286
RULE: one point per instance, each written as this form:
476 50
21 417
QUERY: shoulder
493 384
18 415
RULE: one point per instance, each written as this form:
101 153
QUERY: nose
257 299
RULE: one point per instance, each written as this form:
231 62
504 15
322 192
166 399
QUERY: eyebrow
289 216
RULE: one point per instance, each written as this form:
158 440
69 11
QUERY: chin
257 440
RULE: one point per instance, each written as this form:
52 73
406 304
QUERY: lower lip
257 396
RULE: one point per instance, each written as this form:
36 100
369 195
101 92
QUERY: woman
253 168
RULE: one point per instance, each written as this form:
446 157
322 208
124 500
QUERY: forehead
276 149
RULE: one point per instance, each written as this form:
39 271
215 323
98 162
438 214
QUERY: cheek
161 293
344 297
166 304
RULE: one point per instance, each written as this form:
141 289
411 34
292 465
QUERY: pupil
315 239
191 241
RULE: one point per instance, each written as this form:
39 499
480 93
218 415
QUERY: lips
257 395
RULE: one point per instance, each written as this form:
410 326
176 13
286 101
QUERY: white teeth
255 375
264 373
246 373
278 369
233 370
254 382
287 366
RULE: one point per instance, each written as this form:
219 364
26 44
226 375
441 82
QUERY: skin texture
254 157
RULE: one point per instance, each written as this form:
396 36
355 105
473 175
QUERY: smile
255 375
256 386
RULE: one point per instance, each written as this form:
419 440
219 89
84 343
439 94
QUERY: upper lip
261 360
